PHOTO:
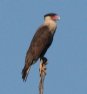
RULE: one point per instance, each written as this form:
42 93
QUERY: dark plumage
38 47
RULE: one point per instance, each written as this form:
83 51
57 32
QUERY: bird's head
51 20
52 16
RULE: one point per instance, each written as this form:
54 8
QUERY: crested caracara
40 42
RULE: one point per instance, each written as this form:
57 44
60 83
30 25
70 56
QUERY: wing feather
38 47
40 42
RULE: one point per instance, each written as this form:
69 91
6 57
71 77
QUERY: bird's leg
43 66
42 70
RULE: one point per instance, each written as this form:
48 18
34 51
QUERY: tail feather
25 72
28 63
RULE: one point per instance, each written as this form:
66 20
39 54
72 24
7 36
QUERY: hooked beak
58 17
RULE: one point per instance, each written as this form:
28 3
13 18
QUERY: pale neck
51 24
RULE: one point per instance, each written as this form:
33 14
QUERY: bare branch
42 71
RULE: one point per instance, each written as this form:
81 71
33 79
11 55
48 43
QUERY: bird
40 43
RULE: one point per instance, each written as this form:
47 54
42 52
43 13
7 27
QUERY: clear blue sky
67 68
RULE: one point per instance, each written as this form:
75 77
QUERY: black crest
50 14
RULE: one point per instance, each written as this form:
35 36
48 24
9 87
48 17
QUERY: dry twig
42 71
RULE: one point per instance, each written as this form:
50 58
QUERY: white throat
51 24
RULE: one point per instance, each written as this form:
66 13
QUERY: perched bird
40 42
